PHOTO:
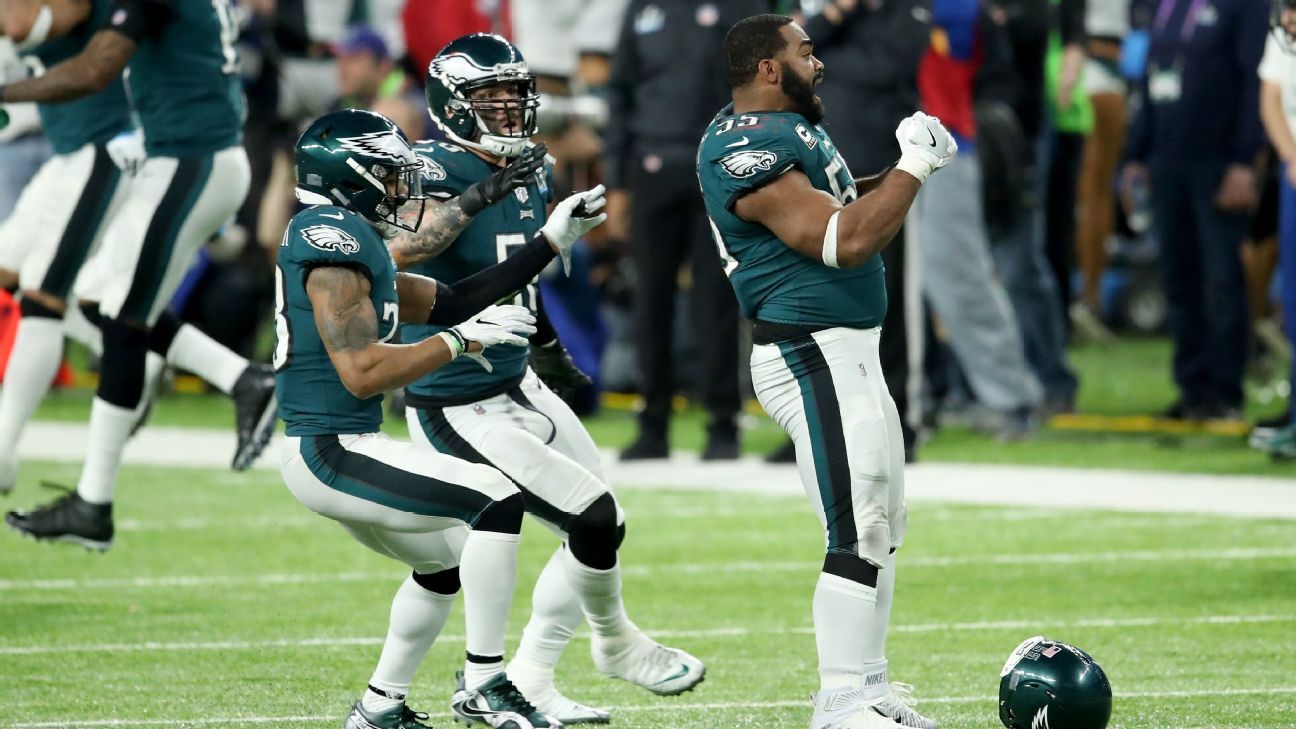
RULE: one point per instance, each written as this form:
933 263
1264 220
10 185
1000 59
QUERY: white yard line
1151 555
1019 486
666 707
730 632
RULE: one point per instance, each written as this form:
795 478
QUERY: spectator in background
1106 22
873 50
1194 141
957 269
667 84
431 24
1278 113
1019 252
368 79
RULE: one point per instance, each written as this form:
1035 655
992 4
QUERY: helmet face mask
468 95
363 162
1047 684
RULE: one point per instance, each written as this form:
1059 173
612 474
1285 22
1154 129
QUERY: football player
59 223
483 97
338 302
799 238
184 87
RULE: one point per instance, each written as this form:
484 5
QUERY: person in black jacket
667 83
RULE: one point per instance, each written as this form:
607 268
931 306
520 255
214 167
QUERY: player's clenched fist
925 145
506 324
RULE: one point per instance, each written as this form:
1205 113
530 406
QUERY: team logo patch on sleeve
328 238
748 162
806 136
432 170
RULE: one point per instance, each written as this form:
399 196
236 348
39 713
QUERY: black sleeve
465 297
617 137
545 333
140 19
1071 17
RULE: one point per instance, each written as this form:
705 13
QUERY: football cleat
898 705
537 684
255 413
644 662
399 717
68 518
846 708
497 703
1279 443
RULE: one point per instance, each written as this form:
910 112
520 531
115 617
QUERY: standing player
481 94
338 302
59 223
185 88
801 247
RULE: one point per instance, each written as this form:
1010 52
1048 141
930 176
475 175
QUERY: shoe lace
904 702
68 492
663 658
512 699
412 719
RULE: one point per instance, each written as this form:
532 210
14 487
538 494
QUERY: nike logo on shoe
681 673
743 141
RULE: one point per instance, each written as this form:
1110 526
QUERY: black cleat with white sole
255 413
499 704
68 518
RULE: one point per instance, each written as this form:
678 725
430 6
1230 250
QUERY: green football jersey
493 234
92 119
184 81
312 399
774 283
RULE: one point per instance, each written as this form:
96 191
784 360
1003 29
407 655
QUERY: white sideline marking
1150 555
324 642
664 707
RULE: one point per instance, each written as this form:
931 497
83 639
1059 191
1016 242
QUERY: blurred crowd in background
1115 178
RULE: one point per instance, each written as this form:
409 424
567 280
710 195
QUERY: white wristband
452 343
915 165
830 242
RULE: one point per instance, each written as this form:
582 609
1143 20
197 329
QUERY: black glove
556 369
491 190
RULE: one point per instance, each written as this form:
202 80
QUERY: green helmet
473 62
346 158
1047 684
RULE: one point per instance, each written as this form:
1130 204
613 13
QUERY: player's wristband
454 342
915 165
473 200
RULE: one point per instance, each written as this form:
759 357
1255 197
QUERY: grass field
226 603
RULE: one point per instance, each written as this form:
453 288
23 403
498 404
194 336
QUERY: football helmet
475 62
349 158
1047 684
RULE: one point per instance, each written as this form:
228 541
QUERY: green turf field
226 603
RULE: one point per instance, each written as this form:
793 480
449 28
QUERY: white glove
925 145
494 325
14 67
127 151
572 218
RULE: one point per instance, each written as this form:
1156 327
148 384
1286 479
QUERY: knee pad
851 567
121 374
164 333
90 310
594 535
29 307
445 582
504 516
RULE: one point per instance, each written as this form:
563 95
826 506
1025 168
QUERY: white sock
555 615
488 571
79 329
110 426
843 617
209 359
599 592
875 639
417 616
33 363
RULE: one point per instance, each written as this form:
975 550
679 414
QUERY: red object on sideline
9 318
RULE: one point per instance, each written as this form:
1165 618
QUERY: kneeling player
338 303
482 95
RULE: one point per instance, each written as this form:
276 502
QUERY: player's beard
802 94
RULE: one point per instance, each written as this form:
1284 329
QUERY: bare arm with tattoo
348 327
88 72
443 221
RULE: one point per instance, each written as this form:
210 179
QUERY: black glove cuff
473 200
